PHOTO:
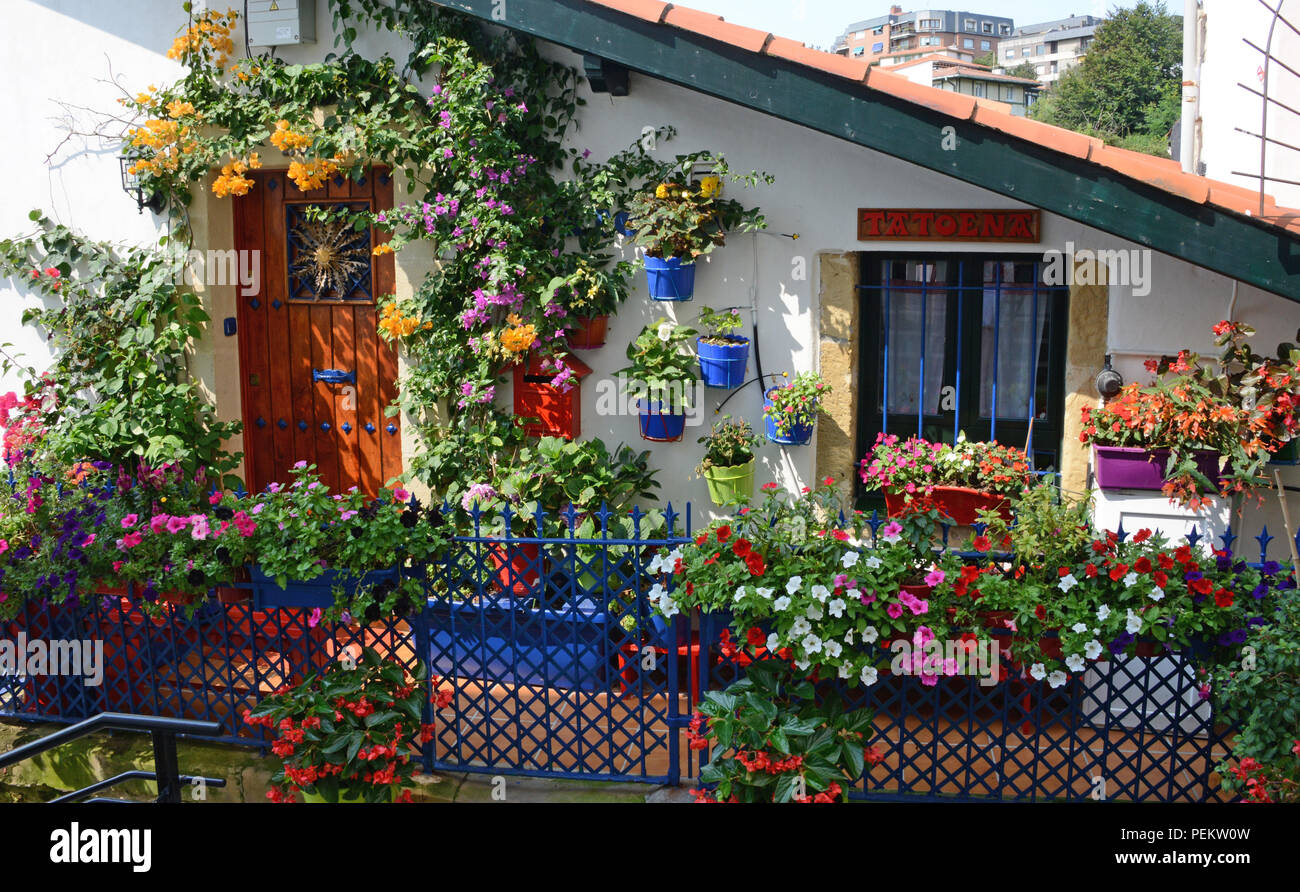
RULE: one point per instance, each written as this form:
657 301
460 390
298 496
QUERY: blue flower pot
318 592
723 365
669 278
659 426
798 435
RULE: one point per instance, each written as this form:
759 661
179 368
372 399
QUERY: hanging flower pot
670 279
1133 467
731 486
589 332
795 433
518 566
723 360
660 426
961 503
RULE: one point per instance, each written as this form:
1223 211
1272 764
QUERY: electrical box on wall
281 22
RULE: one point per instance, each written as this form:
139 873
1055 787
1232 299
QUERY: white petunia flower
781 604
1130 580
850 559
793 585
740 593
1092 649
773 642
1102 612
665 331
667 606
1074 662
853 595
811 644
799 627
764 592
1079 627
1067 582
1134 622
870 634
656 592
802 665
868 675
1038 671
873 562
821 593
833 648
845 670
848 637
1157 593
815 611
1056 679
836 607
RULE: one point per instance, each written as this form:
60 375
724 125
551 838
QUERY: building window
986 45
978 90
1025 51
930 24
1040 50
970 24
859 50
1004 29
988 27
968 43
967 343
877 48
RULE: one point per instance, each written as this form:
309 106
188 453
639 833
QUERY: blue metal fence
547 659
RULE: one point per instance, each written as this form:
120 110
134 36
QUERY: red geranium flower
741 547
982 543
724 533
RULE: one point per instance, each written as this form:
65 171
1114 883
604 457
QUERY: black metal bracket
606 76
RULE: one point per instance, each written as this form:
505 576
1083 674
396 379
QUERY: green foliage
685 216
119 389
1128 88
774 740
729 445
348 731
1051 528
658 361
1027 70
722 326
1260 695
796 402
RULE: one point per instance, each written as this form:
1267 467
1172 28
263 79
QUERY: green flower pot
730 486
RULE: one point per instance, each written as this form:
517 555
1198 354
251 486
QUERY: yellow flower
661 191
382 249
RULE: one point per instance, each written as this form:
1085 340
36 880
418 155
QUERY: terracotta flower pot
589 333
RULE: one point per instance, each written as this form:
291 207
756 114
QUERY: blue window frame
956 343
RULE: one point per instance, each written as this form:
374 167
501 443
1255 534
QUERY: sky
819 22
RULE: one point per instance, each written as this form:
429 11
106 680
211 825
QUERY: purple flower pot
1132 467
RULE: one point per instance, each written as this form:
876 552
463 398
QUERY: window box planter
961 503
659 426
511 644
797 435
670 279
517 567
589 333
1132 467
730 486
318 592
723 365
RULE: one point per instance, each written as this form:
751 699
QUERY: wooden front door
316 376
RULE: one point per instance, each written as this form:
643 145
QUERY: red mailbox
549 410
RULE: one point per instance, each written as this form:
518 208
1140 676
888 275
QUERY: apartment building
1053 48
970 79
900 35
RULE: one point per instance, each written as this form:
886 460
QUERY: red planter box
589 333
958 502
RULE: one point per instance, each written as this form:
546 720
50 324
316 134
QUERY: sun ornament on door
328 258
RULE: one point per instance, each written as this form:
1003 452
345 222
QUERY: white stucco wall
1225 105
821 182
52 50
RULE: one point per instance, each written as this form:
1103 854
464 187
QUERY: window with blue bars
955 343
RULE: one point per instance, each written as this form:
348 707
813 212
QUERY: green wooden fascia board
1243 249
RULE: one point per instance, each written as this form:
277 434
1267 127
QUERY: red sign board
938 225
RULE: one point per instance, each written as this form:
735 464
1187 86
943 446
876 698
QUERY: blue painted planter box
318 592
669 278
723 365
501 642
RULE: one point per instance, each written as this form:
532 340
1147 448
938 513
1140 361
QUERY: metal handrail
163 731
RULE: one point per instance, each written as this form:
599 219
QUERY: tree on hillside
1127 89
989 59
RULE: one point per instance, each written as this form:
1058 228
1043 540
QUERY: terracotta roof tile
958 105
794 51
650 10
1056 138
750 39
1161 173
